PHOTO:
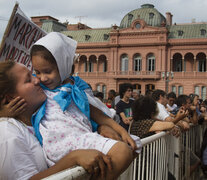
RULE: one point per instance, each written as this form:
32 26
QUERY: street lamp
167 77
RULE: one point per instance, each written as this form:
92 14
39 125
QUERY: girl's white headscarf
62 48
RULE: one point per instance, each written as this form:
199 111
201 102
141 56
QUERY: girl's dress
63 132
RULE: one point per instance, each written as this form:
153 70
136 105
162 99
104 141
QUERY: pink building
146 49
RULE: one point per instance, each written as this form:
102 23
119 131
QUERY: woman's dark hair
7 79
156 94
182 100
99 95
171 95
113 92
144 108
192 96
38 50
123 88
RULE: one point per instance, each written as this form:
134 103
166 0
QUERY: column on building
130 64
206 64
144 64
194 64
97 64
183 63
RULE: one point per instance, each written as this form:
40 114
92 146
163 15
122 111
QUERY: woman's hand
93 161
183 125
176 131
14 108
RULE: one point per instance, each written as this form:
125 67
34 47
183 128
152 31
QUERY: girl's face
47 72
27 87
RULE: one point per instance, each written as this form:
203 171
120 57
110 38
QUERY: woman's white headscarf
62 48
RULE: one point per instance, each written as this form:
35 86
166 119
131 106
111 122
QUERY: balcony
156 75
93 74
190 75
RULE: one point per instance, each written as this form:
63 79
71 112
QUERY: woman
144 124
21 154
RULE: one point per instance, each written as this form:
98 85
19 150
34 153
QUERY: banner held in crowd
19 36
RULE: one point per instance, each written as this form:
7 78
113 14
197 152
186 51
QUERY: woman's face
195 101
27 87
47 72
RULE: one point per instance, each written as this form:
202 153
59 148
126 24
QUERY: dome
147 12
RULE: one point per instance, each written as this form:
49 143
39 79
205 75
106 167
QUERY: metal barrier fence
162 156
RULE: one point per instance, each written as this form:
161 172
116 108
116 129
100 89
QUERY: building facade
146 49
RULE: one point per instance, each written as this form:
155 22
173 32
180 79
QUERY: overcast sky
102 13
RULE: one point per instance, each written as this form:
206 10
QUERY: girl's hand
14 108
127 139
108 132
93 161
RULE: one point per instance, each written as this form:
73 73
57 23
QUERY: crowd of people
145 115
52 120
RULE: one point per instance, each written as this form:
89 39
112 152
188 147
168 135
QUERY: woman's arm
161 126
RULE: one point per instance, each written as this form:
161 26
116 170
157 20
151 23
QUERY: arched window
137 63
101 88
85 67
203 92
174 89
151 15
90 66
177 62
105 66
137 87
124 62
197 90
203 32
202 65
151 62
178 65
180 90
149 87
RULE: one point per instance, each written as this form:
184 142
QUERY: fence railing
162 156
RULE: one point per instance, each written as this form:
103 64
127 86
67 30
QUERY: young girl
62 123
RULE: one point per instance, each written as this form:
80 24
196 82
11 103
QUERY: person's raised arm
180 115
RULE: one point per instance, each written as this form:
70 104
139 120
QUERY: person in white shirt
171 97
160 97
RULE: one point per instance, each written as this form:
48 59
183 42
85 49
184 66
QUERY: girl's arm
100 118
88 159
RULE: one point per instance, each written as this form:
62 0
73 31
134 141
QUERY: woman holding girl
21 154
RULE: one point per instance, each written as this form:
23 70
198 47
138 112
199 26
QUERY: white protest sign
19 36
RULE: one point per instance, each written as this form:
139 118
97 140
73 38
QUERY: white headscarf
62 48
